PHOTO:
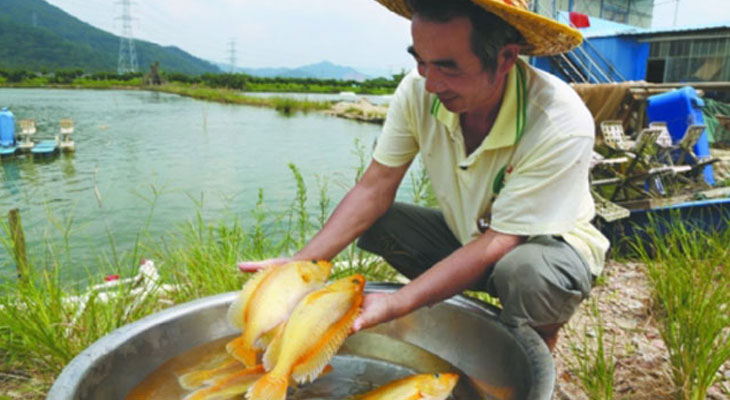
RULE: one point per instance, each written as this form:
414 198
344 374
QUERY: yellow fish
221 365
315 331
266 301
233 384
417 387
230 385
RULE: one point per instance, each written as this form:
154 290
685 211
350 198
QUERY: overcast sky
290 33
690 12
267 33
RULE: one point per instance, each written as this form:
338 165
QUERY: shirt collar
510 122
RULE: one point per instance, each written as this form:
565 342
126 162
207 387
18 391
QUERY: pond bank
360 110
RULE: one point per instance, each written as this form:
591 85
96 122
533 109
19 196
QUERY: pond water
133 144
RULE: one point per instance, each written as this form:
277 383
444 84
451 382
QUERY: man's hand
253 266
376 308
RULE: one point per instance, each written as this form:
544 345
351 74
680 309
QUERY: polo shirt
528 177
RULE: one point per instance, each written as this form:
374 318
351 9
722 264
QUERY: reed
593 361
688 270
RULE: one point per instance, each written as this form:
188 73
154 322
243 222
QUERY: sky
291 33
267 33
690 12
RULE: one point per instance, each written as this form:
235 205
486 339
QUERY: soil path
642 369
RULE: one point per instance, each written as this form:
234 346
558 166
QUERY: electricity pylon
127 53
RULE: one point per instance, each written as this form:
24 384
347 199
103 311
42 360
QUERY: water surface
133 144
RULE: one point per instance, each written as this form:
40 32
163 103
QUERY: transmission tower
127 53
232 55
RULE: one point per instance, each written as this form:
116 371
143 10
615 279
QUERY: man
507 149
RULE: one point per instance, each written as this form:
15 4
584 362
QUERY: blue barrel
7 128
679 109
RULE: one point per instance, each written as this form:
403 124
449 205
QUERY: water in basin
365 362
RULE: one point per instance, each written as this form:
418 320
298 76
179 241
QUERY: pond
133 147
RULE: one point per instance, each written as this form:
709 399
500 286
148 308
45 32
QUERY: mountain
322 70
35 35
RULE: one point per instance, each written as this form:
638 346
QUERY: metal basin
460 334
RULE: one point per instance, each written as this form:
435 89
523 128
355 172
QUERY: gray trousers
540 282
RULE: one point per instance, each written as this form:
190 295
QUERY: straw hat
544 36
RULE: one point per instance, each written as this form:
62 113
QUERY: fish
437 386
316 329
229 385
235 383
265 302
221 366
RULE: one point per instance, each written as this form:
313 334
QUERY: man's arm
452 275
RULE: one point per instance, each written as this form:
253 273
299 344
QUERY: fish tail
192 380
271 386
239 350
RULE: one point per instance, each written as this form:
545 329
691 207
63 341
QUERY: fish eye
436 375
315 261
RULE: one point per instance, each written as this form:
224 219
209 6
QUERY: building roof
604 28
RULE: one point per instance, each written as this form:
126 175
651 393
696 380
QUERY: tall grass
593 361
688 270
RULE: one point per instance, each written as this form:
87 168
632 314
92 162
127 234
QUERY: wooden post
16 235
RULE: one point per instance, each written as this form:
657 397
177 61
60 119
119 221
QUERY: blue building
615 52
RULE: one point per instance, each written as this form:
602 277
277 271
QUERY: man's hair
489 32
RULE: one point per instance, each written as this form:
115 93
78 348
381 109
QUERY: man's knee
538 286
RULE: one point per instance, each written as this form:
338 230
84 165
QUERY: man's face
452 71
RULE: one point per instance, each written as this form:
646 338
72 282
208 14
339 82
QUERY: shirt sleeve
397 144
545 189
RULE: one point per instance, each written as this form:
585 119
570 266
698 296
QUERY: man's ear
507 58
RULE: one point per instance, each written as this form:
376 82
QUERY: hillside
35 35
322 70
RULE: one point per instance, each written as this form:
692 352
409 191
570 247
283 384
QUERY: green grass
42 329
282 104
593 361
689 273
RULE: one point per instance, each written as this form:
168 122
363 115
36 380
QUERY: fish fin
327 369
311 366
271 386
229 385
263 342
238 307
239 350
274 349
195 379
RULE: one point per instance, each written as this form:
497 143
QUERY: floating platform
6 151
45 148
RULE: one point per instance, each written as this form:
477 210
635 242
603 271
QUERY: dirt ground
642 369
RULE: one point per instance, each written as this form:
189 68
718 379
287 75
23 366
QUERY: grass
282 104
593 362
42 328
690 277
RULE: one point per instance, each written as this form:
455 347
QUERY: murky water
356 369
136 147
